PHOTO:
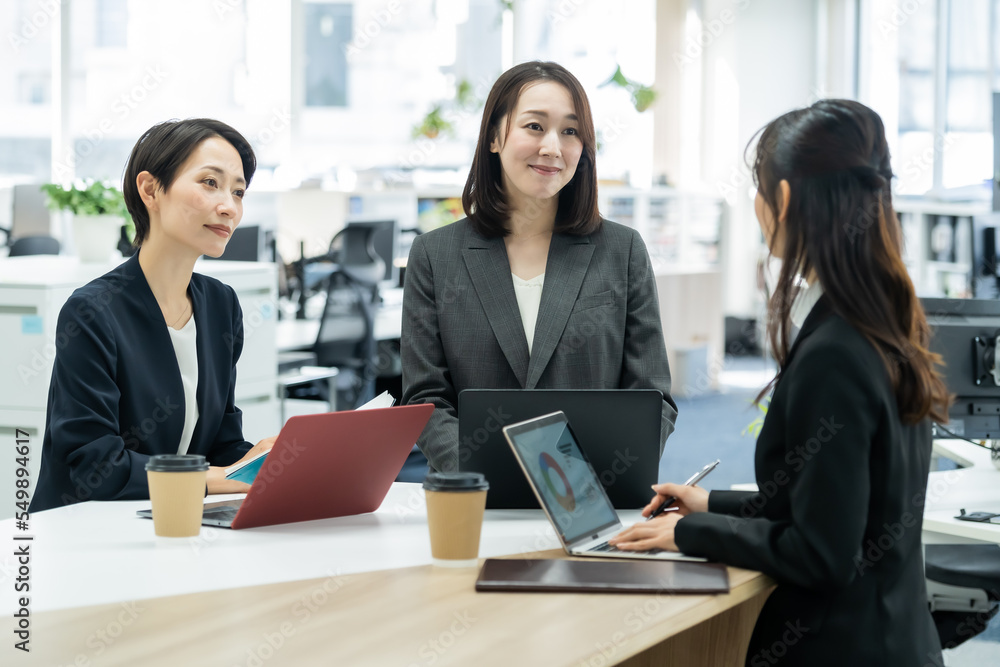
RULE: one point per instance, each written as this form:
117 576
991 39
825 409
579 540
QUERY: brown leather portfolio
608 576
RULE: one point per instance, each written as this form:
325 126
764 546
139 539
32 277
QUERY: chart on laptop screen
565 480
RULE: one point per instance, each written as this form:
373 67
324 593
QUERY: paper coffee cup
455 505
177 492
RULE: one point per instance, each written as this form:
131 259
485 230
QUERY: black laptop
619 429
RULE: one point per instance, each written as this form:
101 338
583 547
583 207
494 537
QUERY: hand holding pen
685 497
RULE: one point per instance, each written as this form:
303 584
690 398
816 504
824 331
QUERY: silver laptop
569 490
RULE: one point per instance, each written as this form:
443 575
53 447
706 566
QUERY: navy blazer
116 396
598 324
837 518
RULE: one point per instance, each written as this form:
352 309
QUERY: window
112 24
942 119
328 31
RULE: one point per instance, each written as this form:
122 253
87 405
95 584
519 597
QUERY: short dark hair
163 148
484 199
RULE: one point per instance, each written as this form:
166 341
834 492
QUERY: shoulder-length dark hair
163 148
483 198
840 224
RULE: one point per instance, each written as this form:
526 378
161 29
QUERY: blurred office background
369 111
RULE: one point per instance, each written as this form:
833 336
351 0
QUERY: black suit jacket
837 518
116 396
598 324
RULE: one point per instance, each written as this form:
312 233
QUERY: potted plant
433 124
643 96
100 218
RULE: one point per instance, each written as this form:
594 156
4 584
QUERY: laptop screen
562 476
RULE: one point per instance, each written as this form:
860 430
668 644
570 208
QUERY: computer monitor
965 333
996 150
30 216
985 251
249 244
385 241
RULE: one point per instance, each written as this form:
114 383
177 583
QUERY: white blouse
529 296
185 347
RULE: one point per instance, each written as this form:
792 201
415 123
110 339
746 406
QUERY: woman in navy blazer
475 314
844 452
118 389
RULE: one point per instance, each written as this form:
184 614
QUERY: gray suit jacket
598 324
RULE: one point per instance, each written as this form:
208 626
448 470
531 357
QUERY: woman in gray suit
533 289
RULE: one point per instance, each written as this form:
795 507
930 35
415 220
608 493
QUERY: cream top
185 347
529 296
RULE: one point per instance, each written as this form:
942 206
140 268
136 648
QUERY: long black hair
840 225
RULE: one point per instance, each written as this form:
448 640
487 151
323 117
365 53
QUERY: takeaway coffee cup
455 505
177 491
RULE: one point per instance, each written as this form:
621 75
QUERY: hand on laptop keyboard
610 548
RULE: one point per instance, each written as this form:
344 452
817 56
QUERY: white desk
100 552
975 488
349 591
33 290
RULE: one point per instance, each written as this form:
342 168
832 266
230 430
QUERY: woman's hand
689 498
655 534
216 479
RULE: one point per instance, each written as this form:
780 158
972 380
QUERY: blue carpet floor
712 426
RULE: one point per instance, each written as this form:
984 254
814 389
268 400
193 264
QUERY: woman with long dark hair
533 289
844 452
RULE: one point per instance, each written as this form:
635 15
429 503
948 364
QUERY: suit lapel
565 268
489 268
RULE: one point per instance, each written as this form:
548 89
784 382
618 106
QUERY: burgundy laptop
325 465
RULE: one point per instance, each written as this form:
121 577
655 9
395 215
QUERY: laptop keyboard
610 548
221 514
224 511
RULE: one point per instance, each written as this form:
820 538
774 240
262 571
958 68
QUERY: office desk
348 591
974 488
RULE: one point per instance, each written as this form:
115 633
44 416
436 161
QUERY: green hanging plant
433 124
643 96
438 119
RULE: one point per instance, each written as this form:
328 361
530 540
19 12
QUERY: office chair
963 588
345 342
353 249
34 245
346 338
